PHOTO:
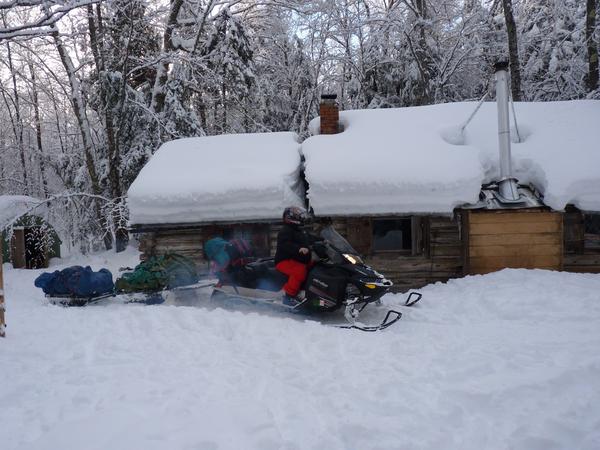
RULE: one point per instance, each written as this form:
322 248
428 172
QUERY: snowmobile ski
390 319
413 298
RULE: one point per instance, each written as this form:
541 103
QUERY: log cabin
420 192
229 186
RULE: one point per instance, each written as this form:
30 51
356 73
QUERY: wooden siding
436 253
190 242
519 239
443 247
582 249
436 248
574 231
17 248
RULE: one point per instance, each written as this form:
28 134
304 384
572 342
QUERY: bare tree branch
42 24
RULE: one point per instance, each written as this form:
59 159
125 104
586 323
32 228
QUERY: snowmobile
337 278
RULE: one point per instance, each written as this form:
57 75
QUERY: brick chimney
330 114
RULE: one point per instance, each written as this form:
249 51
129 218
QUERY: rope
464 125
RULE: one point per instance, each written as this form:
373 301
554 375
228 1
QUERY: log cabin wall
497 239
442 247
582 241
436 253
189 241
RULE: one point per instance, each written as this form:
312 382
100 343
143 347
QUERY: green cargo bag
158 273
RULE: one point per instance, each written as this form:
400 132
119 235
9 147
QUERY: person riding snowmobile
293 254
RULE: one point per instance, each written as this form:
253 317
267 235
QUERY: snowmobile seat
261 266
266 275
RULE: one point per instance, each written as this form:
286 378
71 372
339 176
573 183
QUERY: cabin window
591 226
393 235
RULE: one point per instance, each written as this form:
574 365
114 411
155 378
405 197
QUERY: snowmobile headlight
371 285
352 259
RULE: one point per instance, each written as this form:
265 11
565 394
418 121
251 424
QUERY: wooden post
2 320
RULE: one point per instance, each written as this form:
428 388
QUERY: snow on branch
42 24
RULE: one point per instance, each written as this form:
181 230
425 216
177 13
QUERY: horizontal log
420 267
385 258
582 269
443 242
520 250
582 260
176 237
177 249
436 221
523 216
525 261
515 239
515 228
445 233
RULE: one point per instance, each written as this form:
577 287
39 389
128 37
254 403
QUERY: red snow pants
296 271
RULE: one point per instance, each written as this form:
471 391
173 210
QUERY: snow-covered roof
386 161
14 206
406 160
238 177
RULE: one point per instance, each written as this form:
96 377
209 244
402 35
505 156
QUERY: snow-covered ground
509 360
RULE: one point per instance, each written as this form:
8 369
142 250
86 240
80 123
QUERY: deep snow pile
241 177
415 159
507 360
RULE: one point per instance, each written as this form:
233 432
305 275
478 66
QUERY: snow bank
416 159
217 178
502 361
14 206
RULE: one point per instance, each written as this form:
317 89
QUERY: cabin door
17 248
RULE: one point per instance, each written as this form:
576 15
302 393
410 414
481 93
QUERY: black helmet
294 215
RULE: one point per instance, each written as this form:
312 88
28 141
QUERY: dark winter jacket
290 240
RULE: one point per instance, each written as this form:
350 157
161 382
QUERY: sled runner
146 298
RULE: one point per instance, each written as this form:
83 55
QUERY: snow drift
502 361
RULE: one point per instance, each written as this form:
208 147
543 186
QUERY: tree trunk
157 103
113 153
38 130
2 308
422 53
224 104
18 129
84 126
513 50
592 47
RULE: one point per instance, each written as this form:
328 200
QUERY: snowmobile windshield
335 239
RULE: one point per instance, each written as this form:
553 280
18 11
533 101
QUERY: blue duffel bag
76 281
